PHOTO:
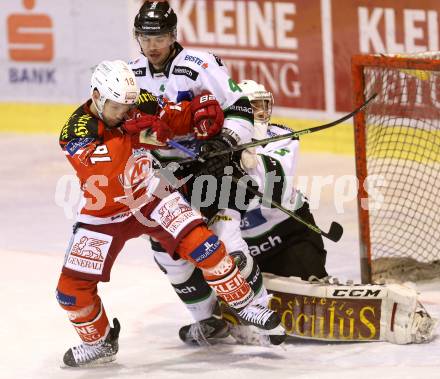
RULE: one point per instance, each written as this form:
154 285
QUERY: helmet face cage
262 106
260 99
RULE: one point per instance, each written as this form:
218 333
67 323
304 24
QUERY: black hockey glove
215 166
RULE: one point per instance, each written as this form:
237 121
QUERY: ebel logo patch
77 143
186 71
141 71
218 60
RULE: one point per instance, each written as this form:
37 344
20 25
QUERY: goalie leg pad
334 312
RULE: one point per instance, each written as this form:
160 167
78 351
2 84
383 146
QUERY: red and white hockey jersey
115 170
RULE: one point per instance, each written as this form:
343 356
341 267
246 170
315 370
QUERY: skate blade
251 335
97 363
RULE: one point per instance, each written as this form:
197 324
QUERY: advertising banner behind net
299 49
379 26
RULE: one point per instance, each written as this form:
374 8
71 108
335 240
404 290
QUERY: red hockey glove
208 116
157 128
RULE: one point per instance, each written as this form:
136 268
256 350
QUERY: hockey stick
297 134
335 232
188 152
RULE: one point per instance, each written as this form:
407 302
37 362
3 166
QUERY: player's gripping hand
152 124
207 116
215 166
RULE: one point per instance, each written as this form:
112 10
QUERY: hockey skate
258 315
205 331
93 354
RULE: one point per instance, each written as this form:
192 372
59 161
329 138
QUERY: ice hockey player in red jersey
124 198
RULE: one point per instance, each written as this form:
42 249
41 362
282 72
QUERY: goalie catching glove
207 116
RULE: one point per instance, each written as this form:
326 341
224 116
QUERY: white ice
35 332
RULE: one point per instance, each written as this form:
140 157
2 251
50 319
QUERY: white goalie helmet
115 81
261 101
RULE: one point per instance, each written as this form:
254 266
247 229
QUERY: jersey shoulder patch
218 60
80 125
186 71
200 59
242 108
147 102
138 62
140 71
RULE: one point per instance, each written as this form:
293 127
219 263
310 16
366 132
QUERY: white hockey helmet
256 92
261 101
115 81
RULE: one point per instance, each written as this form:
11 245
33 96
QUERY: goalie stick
297 134
335 232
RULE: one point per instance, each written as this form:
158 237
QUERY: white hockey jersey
187 75
265 229
280 158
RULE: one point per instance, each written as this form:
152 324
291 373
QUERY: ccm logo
356 292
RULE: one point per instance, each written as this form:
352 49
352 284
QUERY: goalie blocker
361 312
321 310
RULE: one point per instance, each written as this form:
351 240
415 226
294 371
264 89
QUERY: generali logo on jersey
269 41
30 38
88 252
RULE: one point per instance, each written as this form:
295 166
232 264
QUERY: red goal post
397 147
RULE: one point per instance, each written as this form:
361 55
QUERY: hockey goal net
397 144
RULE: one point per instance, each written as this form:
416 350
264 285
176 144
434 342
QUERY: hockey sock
205 250
228 283
84 307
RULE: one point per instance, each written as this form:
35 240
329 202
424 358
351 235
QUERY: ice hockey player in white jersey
293 258
173 73
169 71
282 245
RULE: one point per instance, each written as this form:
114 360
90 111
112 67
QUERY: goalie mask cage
397 145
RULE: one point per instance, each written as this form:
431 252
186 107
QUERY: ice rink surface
35 332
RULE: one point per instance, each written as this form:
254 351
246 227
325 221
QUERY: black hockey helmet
154 18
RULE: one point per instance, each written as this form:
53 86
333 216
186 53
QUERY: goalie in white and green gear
278 243
284 249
